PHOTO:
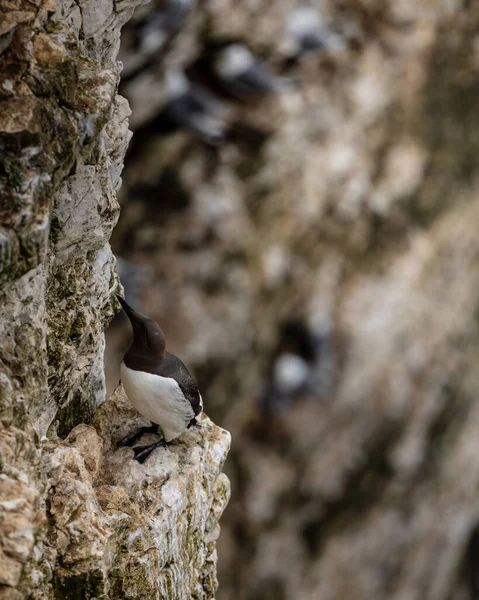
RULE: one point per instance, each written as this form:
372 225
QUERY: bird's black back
255 81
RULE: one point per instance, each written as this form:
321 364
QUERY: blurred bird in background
149 35
154 29
190 107
303 366
309 35
240 74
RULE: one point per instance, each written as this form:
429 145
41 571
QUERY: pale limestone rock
142 529
63 137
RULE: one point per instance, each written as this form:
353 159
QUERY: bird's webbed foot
143 452
132 437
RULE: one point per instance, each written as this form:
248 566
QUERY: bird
308 34
291 373
304 366
157 384
154 29
189 106
149 35
242 75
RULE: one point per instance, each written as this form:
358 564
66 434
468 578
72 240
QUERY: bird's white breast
234 61
159 399
290 372
176 84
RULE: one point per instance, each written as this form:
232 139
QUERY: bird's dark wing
171 366
312 40
170 18
192 112
255 81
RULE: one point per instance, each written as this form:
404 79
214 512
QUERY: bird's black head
148 345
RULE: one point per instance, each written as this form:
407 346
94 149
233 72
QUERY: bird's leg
132 437
143 452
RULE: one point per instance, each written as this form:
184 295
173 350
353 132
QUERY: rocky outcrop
64 525
336 223
119 529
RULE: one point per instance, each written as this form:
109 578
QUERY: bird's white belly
159 399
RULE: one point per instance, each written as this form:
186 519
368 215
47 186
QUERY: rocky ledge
120 529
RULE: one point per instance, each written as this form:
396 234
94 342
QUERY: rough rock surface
124 530
63 136
348 208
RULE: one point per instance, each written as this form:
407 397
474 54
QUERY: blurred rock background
312 254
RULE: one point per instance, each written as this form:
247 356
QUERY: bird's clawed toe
128 439
141 453
194 423
132 437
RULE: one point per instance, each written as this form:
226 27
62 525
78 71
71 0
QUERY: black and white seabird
149 34
242 75
153 31
189 106
157 383
290 378
303 367
308 34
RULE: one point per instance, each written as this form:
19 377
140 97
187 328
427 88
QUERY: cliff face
66 506
336 223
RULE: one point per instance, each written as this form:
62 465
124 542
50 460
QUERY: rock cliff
78 520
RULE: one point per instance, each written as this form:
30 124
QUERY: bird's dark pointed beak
126 307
